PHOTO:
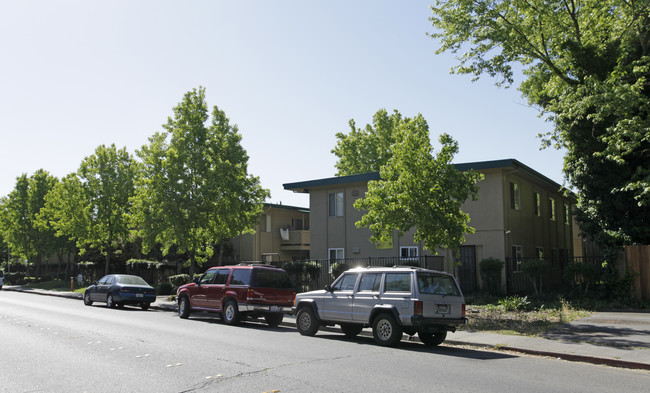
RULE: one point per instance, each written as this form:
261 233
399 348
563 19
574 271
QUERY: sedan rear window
268 278
437 284
131 280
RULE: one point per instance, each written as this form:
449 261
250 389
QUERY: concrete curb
170 306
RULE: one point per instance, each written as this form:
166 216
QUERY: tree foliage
419 190
366 150
196 190
93 204
19 217
586 66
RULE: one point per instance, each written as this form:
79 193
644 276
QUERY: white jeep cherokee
391 300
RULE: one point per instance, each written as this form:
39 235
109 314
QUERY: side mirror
197 280
328 288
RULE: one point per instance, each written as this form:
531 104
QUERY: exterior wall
254 247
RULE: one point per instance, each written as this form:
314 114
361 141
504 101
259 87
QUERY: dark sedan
120 289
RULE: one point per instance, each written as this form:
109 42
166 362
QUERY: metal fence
313 274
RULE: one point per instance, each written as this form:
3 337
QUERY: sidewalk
618 339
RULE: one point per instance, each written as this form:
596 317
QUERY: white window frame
338 252
337 199
538 204
515 197
567 216
518 256
412 252
552 207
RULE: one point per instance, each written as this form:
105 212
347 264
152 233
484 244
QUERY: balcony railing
298 240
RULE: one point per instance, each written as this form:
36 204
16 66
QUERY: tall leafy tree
196 191
21 208
419 189
365 150
586 66
92 206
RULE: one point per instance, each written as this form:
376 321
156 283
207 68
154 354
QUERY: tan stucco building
520 214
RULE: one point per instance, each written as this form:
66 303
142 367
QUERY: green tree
586 67
92 206
419 190
196 191
366 150
20 210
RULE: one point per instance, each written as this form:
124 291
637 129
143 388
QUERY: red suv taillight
418 307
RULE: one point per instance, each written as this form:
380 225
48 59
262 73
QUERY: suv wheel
184 307
386 330
306 321
230 313
351 330
432 339
274 320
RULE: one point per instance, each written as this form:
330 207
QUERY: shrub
514 303
165 288
491 274
534 269
612 287
580 274
179 279
338 268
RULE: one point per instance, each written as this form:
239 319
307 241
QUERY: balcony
298 241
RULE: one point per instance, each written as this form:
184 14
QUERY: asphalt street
54 344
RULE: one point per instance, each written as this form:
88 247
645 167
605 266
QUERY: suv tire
432 339
184 307
306 321
386 330
351 330
230 313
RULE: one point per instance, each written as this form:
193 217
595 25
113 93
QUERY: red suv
239 291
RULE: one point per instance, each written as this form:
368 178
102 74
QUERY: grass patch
521 316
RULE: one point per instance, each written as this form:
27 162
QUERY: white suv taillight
418 307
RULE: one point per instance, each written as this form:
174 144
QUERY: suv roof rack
255 264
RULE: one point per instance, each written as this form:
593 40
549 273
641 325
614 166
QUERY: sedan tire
87 300
110 303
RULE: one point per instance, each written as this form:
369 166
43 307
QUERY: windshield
131 280
437 284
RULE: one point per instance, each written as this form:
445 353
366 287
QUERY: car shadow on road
416 346
248 323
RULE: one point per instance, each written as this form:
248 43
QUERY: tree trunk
220 263
108 262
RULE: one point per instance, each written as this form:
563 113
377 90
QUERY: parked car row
390 300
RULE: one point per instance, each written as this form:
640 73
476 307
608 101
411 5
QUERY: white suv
391 300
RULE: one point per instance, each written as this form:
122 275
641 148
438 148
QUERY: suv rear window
240 277
269 278
437 284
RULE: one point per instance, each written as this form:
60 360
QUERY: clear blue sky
291 74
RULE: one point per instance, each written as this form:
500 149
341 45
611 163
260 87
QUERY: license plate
274 309
443 309
139 295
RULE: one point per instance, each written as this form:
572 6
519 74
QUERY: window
336 253
437 284
208 277
335 204
566 215
222 276
370 282
346 283
539 251
538 204
240 277
297 224
515 196
265 223
271 278
517 257
408 252
551 207
398 282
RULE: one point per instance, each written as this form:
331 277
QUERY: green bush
580 274
613 287
535 269
337 268
165 288
514 303
15 278
179 279
491 269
